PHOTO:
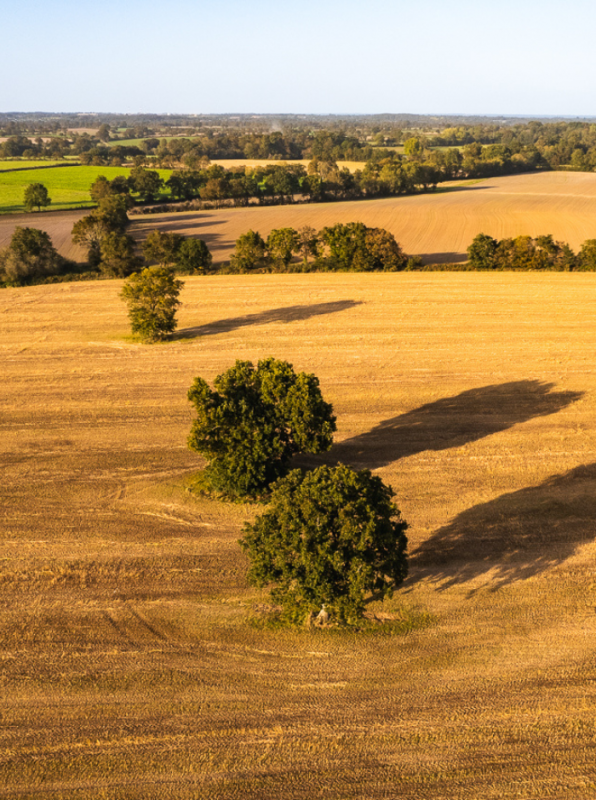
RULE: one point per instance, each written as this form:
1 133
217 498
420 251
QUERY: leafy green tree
100 188
152 298
89 232
281 244
145 182
36 196
29 257
162 247
117 255
586 258
481 253
254 421
329 536
357 248
193 257
249 253
308 243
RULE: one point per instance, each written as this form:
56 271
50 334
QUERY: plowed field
128 666
439 227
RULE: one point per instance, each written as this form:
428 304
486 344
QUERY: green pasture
15 164
68 187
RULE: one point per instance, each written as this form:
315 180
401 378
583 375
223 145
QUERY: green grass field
17 164
68 187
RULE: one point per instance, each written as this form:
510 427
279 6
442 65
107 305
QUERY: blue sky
316 56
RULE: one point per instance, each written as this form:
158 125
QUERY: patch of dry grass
129 667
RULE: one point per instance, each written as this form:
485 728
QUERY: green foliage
118 257
521 253
481 252
36 196
145 182
193 257
152 298
254 421
354 247
329 536
249 254
162 247
587 256
282 243
30 256
102 233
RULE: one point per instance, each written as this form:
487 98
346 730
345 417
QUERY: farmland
439 226
129 667
68 187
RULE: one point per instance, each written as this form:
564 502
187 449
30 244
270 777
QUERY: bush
255 421
328 536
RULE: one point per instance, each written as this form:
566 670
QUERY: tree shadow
285 314
515 536
452 422
443 258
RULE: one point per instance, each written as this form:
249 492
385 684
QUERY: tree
328 536
152 297
162 247
249 253
281 244
193 257
29 256
145 182
117 251
36 196
255 421
358 248
481 253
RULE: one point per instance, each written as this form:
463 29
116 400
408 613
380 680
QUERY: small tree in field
36 196
329 536
152 297
255 421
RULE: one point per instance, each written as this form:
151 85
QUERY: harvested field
57 223
228 163
129 669
439 227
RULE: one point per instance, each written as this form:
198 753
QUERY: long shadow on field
285 314
518 535
452 422
443 258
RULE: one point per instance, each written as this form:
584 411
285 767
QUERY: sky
501 57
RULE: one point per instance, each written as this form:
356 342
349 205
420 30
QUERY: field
438 226
130 668
15 164
68 187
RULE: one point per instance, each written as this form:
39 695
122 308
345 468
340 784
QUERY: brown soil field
439 227
130 668
57 223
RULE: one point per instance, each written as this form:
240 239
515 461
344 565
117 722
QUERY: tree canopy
29 257
36 196
329 536
152 298
254 421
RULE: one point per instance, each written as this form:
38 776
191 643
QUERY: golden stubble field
128 666
439 227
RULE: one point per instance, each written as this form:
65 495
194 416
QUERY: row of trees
527 253
350 247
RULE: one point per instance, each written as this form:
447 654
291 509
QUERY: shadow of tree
452 422
518 535
285 314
